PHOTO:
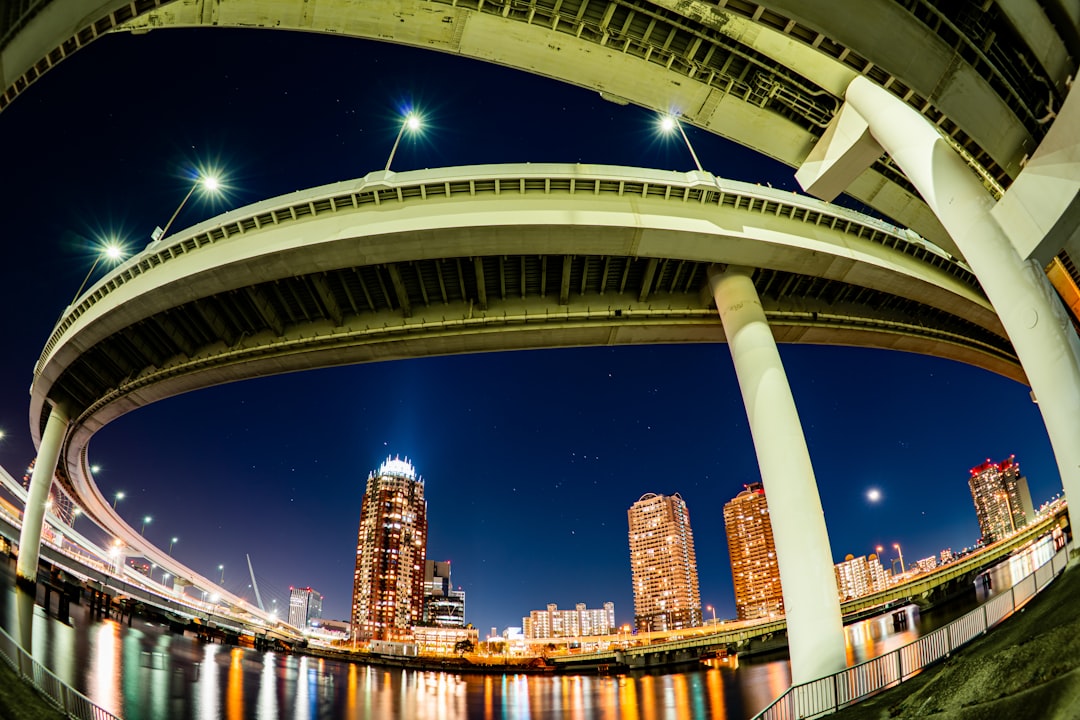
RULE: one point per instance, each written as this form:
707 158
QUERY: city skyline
531 457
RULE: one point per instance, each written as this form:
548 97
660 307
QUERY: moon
873 494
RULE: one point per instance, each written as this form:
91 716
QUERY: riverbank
1029 667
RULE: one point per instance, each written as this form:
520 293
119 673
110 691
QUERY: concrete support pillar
40 482
814 625
1019 290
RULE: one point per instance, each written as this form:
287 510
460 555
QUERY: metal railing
67 700
833 692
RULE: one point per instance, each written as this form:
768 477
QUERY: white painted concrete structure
811 604
1033 315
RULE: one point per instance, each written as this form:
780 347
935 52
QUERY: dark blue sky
531 459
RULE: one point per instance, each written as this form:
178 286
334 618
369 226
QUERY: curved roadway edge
440 214
800 56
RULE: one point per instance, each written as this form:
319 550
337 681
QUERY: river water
144 672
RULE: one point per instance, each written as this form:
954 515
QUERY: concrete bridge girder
611 224
790 57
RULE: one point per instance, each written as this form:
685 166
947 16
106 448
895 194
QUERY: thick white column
814 626
1032 314
34 514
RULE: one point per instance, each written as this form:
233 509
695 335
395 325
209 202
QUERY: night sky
531 459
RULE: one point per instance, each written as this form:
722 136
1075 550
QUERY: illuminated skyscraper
305 605
754 570
1002 499
663 564
388 585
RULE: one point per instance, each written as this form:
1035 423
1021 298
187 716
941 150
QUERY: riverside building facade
663 564
755 571
579 622
388 583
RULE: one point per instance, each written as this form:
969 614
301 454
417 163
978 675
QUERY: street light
901 554
118 496
171 543
668 125
222 569
711 609
111 250
210 183
145 521
412 123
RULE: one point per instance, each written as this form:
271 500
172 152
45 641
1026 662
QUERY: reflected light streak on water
234 689
714 681
103 678
267 708
207 685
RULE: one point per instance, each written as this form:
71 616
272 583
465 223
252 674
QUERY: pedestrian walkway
1028 667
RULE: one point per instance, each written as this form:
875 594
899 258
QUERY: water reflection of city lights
234 689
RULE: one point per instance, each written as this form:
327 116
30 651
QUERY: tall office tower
663 564
388 585
754 569
579 622
443 605
1002 499
305 605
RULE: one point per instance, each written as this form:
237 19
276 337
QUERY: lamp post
209 183
145 521
901 554
118 496
412 122
171 543
711 609
113 251
669 124
222 569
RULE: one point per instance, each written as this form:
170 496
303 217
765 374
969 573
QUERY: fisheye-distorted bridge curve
481 259
770 75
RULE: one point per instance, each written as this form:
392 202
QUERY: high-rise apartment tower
663 564
1002 499
388 585
754 569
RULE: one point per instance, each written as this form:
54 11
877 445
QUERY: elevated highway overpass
769 75
483 259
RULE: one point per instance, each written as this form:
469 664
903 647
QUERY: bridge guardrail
67 700
831 693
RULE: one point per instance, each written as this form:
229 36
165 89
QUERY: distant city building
663 564
852 577
880 578
305 605
926 564
579 622
1002 499
59 503
859 576
443 605
754 569
444 640
947 556
388 584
